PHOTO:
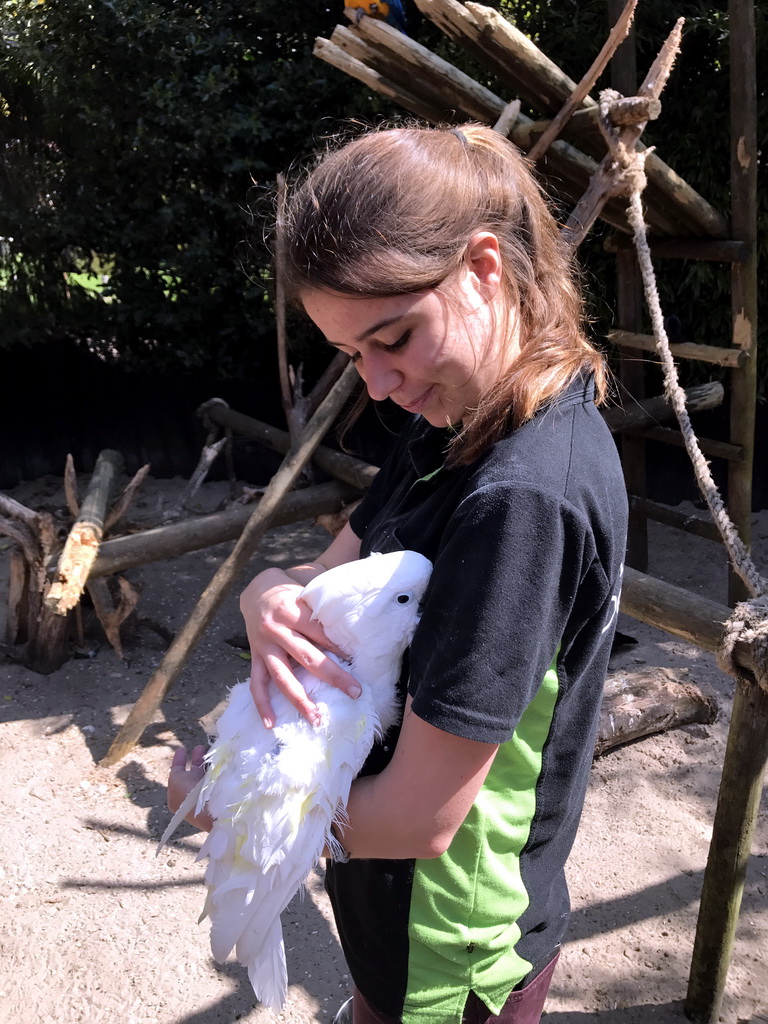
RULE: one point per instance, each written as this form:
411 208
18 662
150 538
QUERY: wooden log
122 504
650 411
629 310
176 656
452 100
334 55
433 93
677 611
671 517
616 36
527 72
744 305
746 753
708 445
505 50
462 92
645 702
738 802
16 622
112 615
605 181
48 646
209 454
199 532
629 313
681 350
353 471
82 544
713 250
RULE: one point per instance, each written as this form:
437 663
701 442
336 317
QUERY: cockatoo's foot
344 1016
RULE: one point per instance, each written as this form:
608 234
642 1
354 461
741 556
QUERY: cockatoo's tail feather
273 794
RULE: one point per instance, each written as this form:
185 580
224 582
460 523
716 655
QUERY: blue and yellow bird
391 11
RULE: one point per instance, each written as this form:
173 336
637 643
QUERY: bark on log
527 72
448 95
458 91
175 659
718 449
607 180
82 544
650 411
334 55
344 467
677 611
648 701
682 350
671 517
16 623
39 636
616 36
715 250
163 542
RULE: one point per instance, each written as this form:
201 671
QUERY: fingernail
268 723
354 690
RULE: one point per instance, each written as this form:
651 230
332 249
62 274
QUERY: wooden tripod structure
564 146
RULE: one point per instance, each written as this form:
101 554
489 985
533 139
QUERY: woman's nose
380 376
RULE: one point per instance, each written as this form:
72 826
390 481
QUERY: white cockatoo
274 793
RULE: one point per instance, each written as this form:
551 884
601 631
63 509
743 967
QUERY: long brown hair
392 213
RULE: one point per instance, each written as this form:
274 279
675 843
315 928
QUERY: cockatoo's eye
403 598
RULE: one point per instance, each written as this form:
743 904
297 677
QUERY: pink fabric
524 1006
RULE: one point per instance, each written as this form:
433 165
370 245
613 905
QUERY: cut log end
648 701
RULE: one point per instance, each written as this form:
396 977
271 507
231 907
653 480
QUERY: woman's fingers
260 690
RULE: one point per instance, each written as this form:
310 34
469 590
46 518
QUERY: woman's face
435 353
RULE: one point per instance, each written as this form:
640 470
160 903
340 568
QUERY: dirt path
95 928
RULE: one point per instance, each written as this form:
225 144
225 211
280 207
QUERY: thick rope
749 621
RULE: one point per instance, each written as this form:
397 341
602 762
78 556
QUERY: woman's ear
482 258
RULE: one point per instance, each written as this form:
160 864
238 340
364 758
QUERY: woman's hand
282 635
183 779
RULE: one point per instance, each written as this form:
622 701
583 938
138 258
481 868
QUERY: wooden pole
617 35
746 756
198 532
647 701
82 544
176 657
746 753
344 467
604 180
708 445
682 350
693 618
649 411
744 158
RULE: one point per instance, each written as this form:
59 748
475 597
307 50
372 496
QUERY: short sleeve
516 564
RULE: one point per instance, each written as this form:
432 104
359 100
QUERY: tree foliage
136 134
139 136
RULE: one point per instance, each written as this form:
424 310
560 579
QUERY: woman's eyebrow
380 326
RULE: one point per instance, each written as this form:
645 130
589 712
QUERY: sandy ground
94 927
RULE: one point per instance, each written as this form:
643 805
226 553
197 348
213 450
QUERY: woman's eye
401 342
355 357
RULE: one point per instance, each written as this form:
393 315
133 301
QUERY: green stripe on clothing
462 928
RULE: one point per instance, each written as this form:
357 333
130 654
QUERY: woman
431 258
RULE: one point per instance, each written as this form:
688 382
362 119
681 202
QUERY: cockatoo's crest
273 794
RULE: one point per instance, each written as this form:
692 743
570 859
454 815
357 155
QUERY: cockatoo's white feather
273 794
